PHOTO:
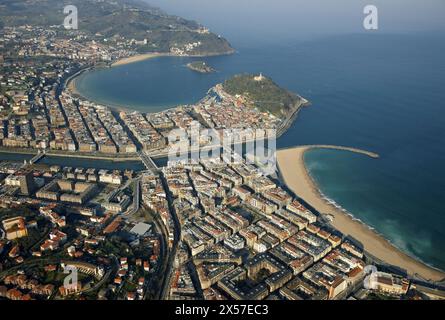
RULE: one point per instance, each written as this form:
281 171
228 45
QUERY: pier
326 146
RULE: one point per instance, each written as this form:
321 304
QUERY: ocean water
382 93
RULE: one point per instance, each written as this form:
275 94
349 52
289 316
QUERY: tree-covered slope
131 19
264 94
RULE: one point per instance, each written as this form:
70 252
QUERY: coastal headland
297 178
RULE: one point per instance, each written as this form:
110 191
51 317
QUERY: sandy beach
136 58
296 177
145 56
71 86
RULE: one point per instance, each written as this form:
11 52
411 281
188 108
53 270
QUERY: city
205 228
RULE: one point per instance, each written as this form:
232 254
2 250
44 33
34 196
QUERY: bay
382 93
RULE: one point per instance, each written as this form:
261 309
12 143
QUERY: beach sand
71 86
145 56
296 177
136 58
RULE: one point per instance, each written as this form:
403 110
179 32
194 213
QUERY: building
117 202
211 273
15 228
235 242
72 289
67 191
298 289
302 211
27 185
87 268
323 275
140 229
279 273
387 283
230 284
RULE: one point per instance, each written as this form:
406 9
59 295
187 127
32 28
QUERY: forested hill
114 19
264 94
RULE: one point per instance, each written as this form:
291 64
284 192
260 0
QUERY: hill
112 19
264 94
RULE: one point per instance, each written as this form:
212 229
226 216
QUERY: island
200 66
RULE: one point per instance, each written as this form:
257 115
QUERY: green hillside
264 94
131 19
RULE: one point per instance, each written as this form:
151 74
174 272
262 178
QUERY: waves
320 162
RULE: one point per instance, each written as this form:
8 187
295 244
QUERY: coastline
292 117
151 55
70 86
302 184
70 83
297 178
137 58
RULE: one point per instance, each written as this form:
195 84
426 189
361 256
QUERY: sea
379 92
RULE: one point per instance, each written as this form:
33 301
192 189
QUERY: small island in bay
200 66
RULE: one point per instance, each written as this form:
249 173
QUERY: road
160 269
165 289
100 283
169 267
136 197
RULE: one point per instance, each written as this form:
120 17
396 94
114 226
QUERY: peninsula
263 93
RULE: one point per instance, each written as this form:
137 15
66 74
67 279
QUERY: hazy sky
241 20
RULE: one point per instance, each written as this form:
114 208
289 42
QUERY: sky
278 20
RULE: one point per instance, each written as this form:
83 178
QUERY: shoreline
197 69
151 55
298 179
70 83
373 242
292 117
70 86
137 58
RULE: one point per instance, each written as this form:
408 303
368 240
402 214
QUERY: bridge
148 161
40 154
